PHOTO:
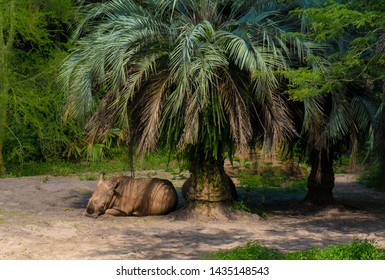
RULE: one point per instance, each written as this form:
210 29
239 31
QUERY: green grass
271 177
342 165
271 184
357 249
371 176
65 168
154 161
12 214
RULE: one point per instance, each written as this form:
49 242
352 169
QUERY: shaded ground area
41 218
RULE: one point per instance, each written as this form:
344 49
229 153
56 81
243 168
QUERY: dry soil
41 218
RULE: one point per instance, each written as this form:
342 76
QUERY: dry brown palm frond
150 110
238 113
278 125
103 120
191 128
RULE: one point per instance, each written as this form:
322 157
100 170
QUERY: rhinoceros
125 196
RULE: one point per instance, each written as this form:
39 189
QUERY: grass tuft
357 249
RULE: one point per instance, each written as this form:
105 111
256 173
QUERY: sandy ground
41 218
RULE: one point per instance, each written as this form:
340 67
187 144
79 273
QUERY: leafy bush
271 177
371 176
241 206
271 184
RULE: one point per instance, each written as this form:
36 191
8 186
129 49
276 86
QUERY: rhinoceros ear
101 177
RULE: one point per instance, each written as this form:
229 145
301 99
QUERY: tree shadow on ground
173 244
349 195
321 230
78 198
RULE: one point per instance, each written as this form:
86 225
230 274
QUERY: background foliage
33 127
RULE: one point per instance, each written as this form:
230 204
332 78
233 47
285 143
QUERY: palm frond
340 118
233 95
103 120
314 119
150 111
364 112
105 12
182 72
77 78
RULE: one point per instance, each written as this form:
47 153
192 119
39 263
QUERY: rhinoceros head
101 198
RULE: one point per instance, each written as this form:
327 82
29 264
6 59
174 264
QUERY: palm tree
334 123
189 75
338 112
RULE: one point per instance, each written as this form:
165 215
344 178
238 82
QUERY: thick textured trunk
320 182
192 192
381 145
381 158
208 181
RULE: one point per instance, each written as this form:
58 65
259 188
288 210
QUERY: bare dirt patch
41 218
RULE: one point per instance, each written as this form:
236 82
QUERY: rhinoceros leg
115 212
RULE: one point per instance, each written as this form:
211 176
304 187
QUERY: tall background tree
341 99
32 37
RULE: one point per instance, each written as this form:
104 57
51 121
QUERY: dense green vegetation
355 250
33 39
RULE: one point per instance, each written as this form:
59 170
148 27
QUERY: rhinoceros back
142 197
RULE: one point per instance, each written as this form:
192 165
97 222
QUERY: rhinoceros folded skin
126 196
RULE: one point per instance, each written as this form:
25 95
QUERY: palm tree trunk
320 182
381 157
208 180
381 142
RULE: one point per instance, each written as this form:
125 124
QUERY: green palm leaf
191 75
